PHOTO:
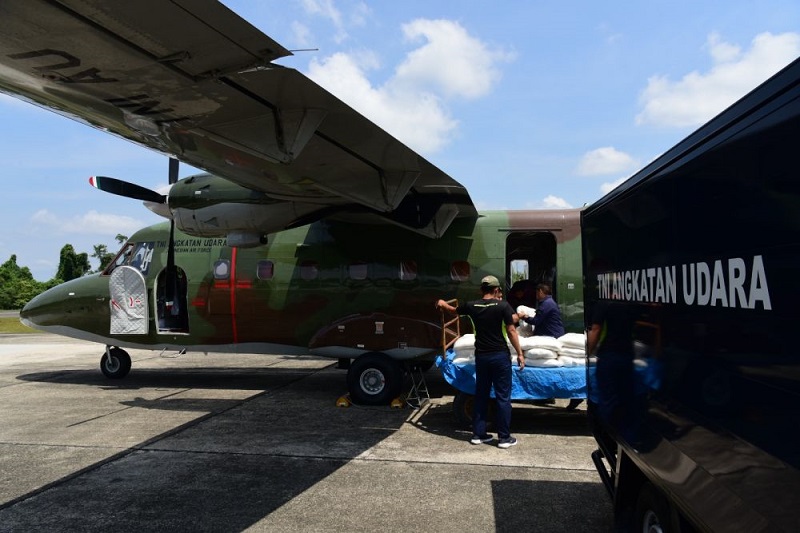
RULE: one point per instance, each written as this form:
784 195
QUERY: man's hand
521 360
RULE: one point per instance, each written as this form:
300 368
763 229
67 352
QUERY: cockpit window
137 255
123 256
143 256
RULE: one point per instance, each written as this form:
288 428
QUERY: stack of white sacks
540 351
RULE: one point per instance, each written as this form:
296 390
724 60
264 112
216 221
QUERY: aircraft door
171 301
530 259
128 293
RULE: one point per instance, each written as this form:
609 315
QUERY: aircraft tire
652 511
119 365
374 379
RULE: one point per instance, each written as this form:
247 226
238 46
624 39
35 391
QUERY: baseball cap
490 281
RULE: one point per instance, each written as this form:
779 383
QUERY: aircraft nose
44 308
73 304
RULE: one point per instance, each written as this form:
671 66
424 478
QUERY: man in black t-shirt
492 359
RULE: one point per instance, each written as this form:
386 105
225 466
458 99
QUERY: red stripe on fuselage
233 296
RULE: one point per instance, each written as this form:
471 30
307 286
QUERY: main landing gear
115 363
374 379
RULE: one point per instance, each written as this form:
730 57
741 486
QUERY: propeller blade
128 190
173 170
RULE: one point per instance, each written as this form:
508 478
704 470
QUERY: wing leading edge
192 79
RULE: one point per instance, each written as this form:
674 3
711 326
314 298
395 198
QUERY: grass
11 324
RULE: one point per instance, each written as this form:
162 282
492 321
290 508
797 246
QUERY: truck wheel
652 512
116 364
374 379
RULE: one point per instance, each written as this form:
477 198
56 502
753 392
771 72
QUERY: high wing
193 80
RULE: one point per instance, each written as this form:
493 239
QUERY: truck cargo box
699 253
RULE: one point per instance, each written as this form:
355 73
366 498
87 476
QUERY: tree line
17 285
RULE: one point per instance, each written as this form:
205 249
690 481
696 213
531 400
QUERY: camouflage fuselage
331 287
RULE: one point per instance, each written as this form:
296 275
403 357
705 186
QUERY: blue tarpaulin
530 383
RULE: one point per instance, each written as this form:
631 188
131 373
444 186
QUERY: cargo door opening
172 311
530 260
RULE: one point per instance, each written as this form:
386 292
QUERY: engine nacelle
208 206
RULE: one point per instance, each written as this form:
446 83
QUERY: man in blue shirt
547 320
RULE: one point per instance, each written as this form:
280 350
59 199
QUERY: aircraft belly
398 337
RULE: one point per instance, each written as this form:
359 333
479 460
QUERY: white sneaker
507 443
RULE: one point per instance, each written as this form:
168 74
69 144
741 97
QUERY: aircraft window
408 270
459 271
519 270
143 256
358 270
265 269
309 270
122 257
222 269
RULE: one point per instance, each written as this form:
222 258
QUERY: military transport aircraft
314 230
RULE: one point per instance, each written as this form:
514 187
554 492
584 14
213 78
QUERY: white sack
571 361
540 341
573 340
540 353
544 363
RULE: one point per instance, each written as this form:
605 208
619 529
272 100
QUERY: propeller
128 190
157 203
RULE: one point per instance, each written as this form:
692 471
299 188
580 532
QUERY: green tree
72 265
17 285
102 255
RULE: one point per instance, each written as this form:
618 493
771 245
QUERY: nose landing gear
115 363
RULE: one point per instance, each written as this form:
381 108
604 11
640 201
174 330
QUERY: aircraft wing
193 80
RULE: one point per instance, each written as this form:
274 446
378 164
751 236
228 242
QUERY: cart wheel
574 403
462 408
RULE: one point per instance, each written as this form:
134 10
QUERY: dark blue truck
698 258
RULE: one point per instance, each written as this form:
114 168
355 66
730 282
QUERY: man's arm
444 306
592 338
513 336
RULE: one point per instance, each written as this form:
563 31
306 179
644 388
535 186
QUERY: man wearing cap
492 359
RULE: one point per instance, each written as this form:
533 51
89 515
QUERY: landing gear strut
115 363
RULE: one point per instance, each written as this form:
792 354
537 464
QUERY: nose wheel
115 363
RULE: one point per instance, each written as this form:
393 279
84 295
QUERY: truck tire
652 512
374 379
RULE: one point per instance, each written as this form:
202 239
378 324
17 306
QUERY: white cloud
91 223
610 186
450 59
605 160
324 9
301 33
698 97
411 105
553 202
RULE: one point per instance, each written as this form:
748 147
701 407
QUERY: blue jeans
492 369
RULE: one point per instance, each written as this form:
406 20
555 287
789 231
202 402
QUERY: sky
529 104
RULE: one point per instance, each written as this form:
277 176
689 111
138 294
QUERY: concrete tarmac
224 442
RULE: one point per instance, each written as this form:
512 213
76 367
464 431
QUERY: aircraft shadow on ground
238 378
224 471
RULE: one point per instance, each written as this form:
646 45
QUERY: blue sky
529 104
